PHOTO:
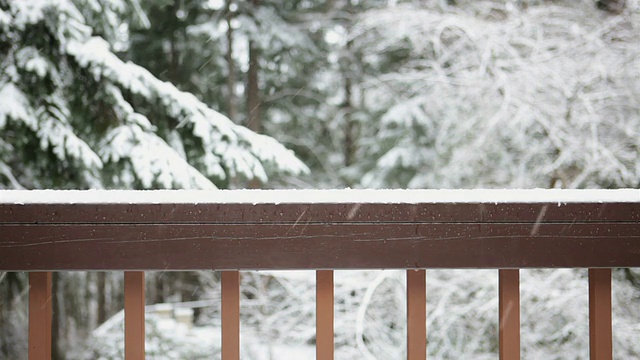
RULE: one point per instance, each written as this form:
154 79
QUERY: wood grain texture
317 236
509 313
40 311
416 315
600 325
134 326
324 315
231 315
319 213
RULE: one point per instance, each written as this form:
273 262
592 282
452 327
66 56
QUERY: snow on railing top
317 196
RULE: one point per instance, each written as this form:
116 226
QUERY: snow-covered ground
167 338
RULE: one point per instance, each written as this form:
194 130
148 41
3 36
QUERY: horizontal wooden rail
281 235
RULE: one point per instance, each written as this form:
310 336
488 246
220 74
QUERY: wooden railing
320 230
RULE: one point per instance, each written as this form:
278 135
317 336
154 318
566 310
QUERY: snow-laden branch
237 147
219 148
491 97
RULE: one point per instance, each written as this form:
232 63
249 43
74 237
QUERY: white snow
483 108
152 159
49 121
236 147
55 131
5 20
342 196
14 105
30 59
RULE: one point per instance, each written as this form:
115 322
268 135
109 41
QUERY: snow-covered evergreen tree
204 47
74 115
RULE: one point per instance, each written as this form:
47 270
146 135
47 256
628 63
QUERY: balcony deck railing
44 231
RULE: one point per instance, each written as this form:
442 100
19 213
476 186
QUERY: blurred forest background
207 94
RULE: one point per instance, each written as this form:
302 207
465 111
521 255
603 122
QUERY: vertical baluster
600 328
509 313
134 315
324 315
416 315
40 306
230 315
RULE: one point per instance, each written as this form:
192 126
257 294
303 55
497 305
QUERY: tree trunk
232 110
253 91
159 288
253 96
612 6
349 126
254 120
56 322
174 54
102 306
347 105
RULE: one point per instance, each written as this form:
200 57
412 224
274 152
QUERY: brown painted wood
416 315
509 313
230 315
40 306
318 246
324 315
318 236
302 214
600 326
134 301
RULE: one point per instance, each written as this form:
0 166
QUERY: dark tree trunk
348 69
253 91
102 305
253 96
116 294
174 54
349 126
254 101
57 331
612 6
232 110
159 288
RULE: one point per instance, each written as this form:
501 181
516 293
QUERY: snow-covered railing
322 230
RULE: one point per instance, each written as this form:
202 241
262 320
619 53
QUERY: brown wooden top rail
318 229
